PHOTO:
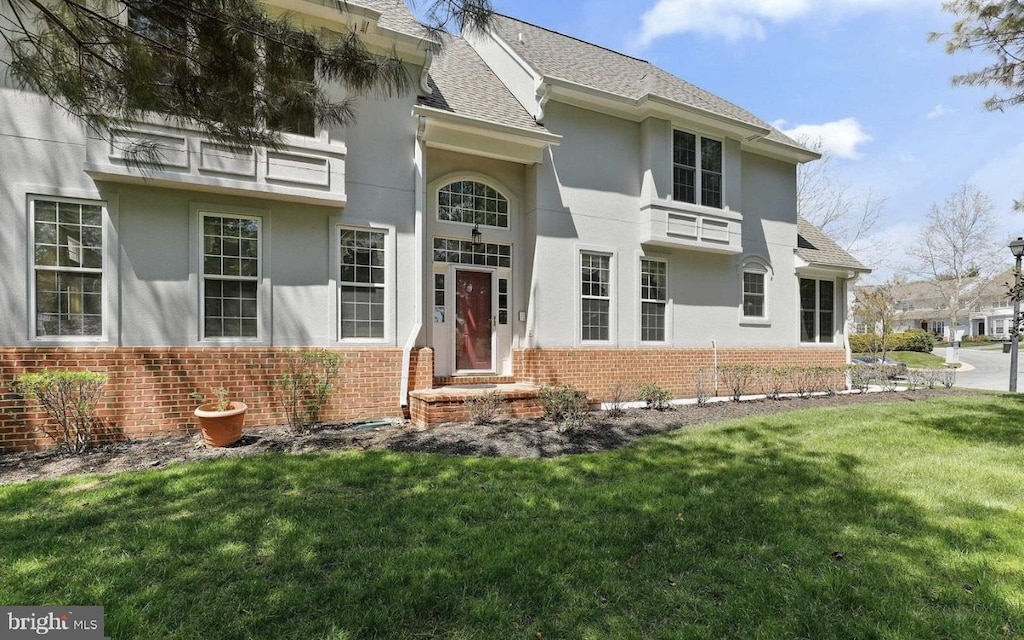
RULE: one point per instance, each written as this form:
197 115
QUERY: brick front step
428 407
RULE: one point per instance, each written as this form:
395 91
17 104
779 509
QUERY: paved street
988 369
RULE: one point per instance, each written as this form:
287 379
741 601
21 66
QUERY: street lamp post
1017 248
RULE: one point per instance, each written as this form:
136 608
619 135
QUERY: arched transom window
473 203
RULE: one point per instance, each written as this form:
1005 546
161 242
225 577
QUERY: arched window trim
749 295
500 197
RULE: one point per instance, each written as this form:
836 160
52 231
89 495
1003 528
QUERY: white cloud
938 112
738 19
840 138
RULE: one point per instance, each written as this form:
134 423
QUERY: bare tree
957 253
225 66
994 27
829 203
878 307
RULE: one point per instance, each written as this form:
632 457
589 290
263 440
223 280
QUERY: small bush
774 379
306 384
484 408
565 405
861 377
947 377
737 379
705 386
655 397
619 396
69 399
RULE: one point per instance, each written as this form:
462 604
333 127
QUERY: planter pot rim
209 410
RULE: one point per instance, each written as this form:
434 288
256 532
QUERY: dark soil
511 438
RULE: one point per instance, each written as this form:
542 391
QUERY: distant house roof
560 56
818 249
461 83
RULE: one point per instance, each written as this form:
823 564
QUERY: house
986 309
542 210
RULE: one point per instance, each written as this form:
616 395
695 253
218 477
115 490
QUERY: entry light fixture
478 237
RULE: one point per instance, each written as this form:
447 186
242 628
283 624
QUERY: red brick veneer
148 389
596 371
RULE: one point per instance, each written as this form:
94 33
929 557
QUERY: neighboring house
919 306
544 211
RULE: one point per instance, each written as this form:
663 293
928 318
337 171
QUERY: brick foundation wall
597 371
148 389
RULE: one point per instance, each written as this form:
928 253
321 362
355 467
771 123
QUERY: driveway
987 369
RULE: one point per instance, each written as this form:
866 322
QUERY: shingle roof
463 84
560 56
818 249
395 15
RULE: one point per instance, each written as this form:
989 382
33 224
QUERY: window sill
755 322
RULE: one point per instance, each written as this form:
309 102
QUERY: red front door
473 313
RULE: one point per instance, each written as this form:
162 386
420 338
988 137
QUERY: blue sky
859 74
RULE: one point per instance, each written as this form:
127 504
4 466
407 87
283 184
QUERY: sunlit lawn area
874 521
917 360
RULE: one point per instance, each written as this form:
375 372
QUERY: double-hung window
67 264
362 284
231 276
692 182
595 293
653 299
754 294
817 310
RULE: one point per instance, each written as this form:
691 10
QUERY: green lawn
918 360
728 531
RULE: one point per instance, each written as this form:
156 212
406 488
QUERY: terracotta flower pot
221 428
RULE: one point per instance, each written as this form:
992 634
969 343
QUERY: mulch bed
513 438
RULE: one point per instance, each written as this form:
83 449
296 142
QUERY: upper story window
231 276
817 310
472 202
697 184
67 264
281 73
362 283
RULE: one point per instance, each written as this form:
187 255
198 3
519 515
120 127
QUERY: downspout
714 380
418 240
847 328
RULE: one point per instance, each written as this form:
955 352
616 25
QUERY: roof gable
576 61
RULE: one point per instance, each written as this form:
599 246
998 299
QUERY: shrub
773 380
861 376
484 408
947 377
655 397
619 396
911 340
705 385
69 399
564 404
918 340
305 384
830 379
737 379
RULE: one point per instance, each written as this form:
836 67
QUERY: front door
474 321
